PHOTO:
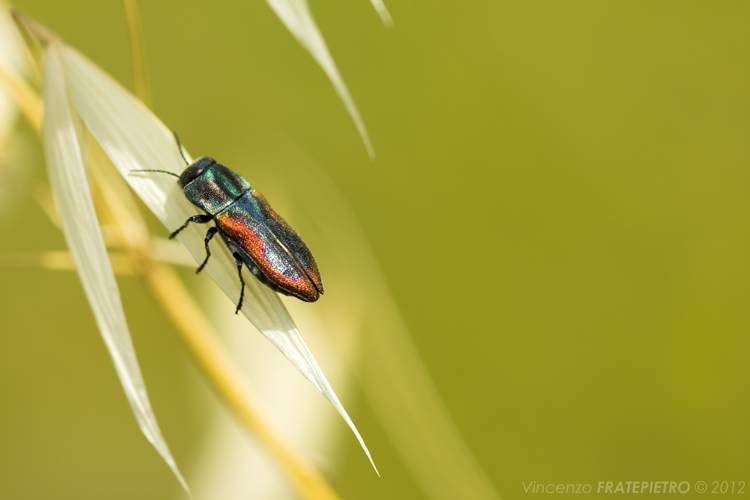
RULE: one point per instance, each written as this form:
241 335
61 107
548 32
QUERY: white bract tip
296 15
382 11
134 139
84 238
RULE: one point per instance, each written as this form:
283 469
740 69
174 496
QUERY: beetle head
195 170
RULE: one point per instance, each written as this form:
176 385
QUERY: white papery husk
134 139
84 238
382 11
296 16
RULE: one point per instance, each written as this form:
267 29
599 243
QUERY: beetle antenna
179 146
162 171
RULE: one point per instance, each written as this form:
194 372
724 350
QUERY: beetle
256 236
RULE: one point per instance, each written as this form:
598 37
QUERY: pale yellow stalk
27 98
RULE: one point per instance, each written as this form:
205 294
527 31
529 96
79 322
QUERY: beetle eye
195 170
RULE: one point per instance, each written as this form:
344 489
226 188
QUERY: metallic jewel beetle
256 235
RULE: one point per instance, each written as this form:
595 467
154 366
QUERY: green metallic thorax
216 189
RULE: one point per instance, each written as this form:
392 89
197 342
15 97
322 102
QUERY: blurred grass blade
141 85
12 65
400 391
296 15
12 48
84 238
61 260
395 381
382 11
135 139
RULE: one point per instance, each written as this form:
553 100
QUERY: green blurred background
559 206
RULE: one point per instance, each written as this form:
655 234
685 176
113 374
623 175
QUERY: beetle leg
238 260
200 219
209 234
